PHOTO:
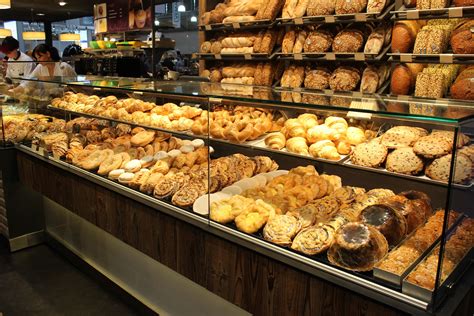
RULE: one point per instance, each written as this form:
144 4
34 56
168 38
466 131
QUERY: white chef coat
61 69
20 69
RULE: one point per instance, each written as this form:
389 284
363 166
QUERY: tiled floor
38 281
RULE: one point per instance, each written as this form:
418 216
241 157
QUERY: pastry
420 201
326 208
126 177
315 239
402 136
369 154
140 178
254 218
432 146
142 138
404 160
280 229
95 159
297 145
357 247
111 163
387 220
355 135
439 169
275 140
115 174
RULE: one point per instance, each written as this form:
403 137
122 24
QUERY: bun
206 47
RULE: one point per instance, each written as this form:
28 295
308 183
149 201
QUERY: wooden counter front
256 283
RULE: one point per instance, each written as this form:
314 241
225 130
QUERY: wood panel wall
256 283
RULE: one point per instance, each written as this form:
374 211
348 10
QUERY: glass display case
361 190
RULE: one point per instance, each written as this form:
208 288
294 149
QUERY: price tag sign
247 57
97 88
236 25
406 58
329 19
298 57
298 21
330 56
217 56
328 92
403 97
361 17
207 27
34 147
138 92
413 14
455 13
297 89
446 58
359 56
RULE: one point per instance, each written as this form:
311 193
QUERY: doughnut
133 165
111 163
115 174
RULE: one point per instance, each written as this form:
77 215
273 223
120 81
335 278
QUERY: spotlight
62 3
194 19
181 8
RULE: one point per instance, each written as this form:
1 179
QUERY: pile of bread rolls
310 136
241 11
242 43
257 74
338 39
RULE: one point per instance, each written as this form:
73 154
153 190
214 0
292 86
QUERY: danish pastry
280 229
111 163
252 219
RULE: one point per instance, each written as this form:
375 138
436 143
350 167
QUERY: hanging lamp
5 32
5 4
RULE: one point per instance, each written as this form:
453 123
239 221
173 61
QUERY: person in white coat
49 66
19 65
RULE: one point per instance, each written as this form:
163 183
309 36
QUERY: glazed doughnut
111 163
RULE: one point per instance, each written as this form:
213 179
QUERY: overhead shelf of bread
323 13
236 56
409 13
241 23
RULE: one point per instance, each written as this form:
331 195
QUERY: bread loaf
348 41
238 71
375 6
215 76
300 9
463 89
409 3
402 81
350 7
237 19
321 7
370 80
462 38
216 47
237 50
299 42
270 10
404 36
344 79
242 80
288 42
429 85
268 41
318 41
206 47
289 7
463 3
375 42
236 42
317 78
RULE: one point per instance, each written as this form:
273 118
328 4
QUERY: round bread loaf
387 220
404 36
462 38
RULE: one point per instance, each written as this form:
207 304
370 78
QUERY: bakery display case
357 189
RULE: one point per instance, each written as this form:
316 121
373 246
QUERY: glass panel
448 110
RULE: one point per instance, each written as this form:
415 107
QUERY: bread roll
206 47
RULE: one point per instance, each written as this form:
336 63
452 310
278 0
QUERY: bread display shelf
433 58
425 294
237 25
452 12
359 56
186 134
338 18
422 178
253 56
397 279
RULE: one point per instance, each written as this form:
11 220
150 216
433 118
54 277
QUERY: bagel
111 163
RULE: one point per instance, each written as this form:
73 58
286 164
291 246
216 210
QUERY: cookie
432 146
402 136
449 136
439 168
370 154
404 160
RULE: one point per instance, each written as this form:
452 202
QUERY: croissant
337 123
319 132
308 120
297 145
275 140
343 147
294 128
355 135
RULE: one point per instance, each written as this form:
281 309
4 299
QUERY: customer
18 64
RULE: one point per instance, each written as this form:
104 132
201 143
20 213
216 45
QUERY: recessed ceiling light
181 8
40 14
62 3
194 18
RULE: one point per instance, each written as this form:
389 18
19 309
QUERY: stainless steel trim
25 241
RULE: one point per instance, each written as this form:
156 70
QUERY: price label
446 58
406 58
329 19
298 57
403 97
297 89
360 17
34 147
413 14
97 88
328 92
247 57
207 27
455 12
217 56
357 94
138 92
359 56
236 25
298 21
330 56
